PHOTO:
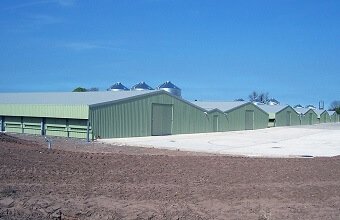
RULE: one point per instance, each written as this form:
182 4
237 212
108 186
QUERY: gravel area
321 140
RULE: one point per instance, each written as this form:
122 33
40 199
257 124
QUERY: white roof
223 106
272 108
319 112
331 112
303 110
69 98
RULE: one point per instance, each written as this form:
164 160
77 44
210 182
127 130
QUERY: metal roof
310 106
319 111
223 106
331 112
303 110
273 101
70 98
142 86
168 84
272 108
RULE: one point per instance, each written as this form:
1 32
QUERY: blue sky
212 49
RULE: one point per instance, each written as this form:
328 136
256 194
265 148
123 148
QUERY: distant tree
239 100
79 89
262 97
298 106
253 96
335 106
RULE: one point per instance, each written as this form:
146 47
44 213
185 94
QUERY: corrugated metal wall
280 117
60 120
48 111
221 118
13 124
56 127
32 125
309 117
324 117
132 118
77 128
333 118
236 117
53 126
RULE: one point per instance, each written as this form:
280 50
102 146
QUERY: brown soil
79 180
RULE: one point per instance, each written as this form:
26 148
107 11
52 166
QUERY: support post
67 128
2 123
42 126
88 131
22 125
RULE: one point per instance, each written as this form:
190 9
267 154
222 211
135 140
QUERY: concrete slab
322 140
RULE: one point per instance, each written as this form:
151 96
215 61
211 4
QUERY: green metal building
334 117
103 114
323 116
219 120
235 116
307 116
120 114
152 113
45 114
281 115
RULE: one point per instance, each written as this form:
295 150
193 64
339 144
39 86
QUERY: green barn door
249 120
288 118
161 119
215 123
310 118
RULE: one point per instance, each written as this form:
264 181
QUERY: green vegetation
261 97
81 89
335 106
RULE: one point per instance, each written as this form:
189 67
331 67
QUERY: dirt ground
79 180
